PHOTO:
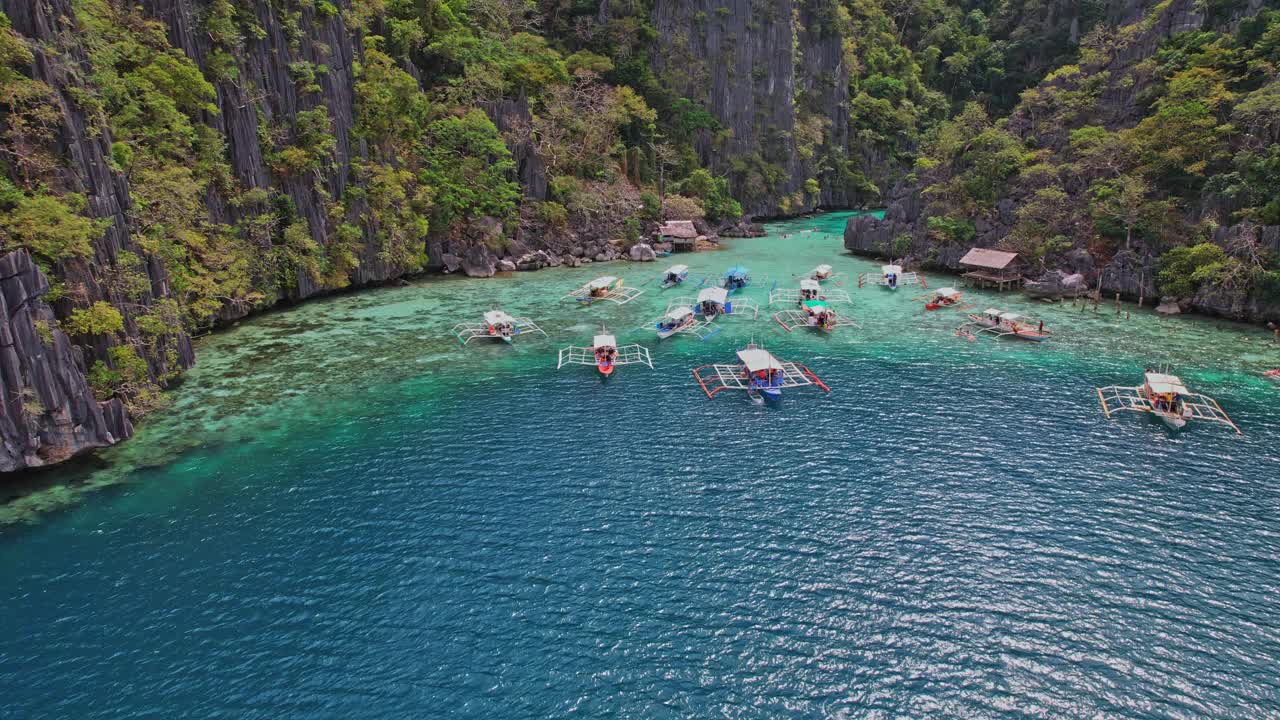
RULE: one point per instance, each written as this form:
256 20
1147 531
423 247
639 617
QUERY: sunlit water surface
346 514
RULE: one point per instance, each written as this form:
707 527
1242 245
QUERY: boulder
505 265
640 252
602 256
479 262
1168 306
452 263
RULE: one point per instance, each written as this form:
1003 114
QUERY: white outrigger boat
947 297
815 314
809 290
605 287
713 302
681 319
891 277
497 325
822 273
697 315
1002 323
757 372
1165 397
605 354
675 275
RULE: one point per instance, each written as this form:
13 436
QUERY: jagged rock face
86 145
749 64
50 413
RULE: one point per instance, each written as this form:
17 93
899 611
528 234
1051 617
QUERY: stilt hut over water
682 235
992 268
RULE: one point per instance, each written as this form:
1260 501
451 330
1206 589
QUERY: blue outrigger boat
735 278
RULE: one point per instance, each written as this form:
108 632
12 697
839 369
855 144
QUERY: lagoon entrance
346 513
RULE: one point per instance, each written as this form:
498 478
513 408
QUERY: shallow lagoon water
346 514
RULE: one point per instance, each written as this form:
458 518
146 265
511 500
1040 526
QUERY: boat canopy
947 292
713 294
736 271
992 312
757 360
497 317
678 313
823 270
603 341
602 282
809 284
1166 384
1010 317
677 269
891 269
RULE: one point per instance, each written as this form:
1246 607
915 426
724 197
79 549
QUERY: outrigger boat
757 372
891 277
815 314
809 290
1165 397
497 325
696 316
681 319
713 302
943 298
735 278
604 354
822 272
675 275
606 287
1002 323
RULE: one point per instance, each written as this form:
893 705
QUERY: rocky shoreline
903 234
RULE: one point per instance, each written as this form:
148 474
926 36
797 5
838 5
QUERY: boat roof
809 284
604 341
993 312
823 269
677 269
679 312
736 270
756 360
602 281
713 294
886 269
948 291
496 317
1009 316
1166 384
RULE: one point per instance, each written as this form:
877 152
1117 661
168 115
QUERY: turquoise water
346 514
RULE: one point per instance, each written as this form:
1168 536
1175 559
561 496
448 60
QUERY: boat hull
606 369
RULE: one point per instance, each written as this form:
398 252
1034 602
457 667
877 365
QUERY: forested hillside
171 165
1150 165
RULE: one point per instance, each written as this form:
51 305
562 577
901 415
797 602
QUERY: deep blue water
955 531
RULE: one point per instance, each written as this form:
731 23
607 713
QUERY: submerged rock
1169 306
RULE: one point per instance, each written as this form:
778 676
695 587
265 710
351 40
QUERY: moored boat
675 275
677 319
942 298
1002 323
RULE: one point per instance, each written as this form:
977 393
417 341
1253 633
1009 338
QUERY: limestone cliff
47 410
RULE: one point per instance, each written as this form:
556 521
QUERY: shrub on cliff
1184 269
100 318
